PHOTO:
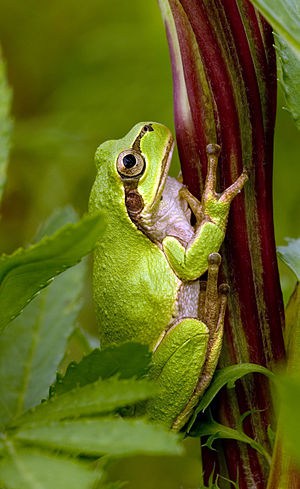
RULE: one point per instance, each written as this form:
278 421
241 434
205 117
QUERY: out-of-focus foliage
79 76
287 446
289 388
286 188
5 123
33 345
290 255
26 271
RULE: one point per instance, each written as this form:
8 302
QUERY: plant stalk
224 85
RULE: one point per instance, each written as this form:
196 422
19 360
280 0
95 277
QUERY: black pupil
129 160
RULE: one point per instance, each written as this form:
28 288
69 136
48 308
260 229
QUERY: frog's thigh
177 363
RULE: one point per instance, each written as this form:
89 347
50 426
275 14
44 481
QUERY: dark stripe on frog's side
137 142
133 200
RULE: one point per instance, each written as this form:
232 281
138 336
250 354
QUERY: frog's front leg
186 356
190 262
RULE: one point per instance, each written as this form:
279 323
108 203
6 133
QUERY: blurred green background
81 73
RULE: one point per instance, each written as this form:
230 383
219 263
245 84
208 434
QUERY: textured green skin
176 366
136 283
133 301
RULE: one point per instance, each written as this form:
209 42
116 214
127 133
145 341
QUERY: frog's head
138 166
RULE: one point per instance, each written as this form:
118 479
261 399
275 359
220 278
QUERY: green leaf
292 332
95 437
290 255
289 76
34 345
287 445
227 375
289 392
126 360
5 124
24 273
215 430
284 16
59 218
31 469
99 397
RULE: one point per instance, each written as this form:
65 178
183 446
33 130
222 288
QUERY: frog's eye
130 163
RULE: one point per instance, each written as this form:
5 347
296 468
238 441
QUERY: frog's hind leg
177 363
212 308
186 357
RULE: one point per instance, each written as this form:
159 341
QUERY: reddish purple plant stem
230 45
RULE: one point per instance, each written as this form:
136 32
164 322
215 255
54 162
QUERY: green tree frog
148 263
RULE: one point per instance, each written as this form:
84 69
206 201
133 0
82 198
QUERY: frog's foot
212 308
214 205
212 300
